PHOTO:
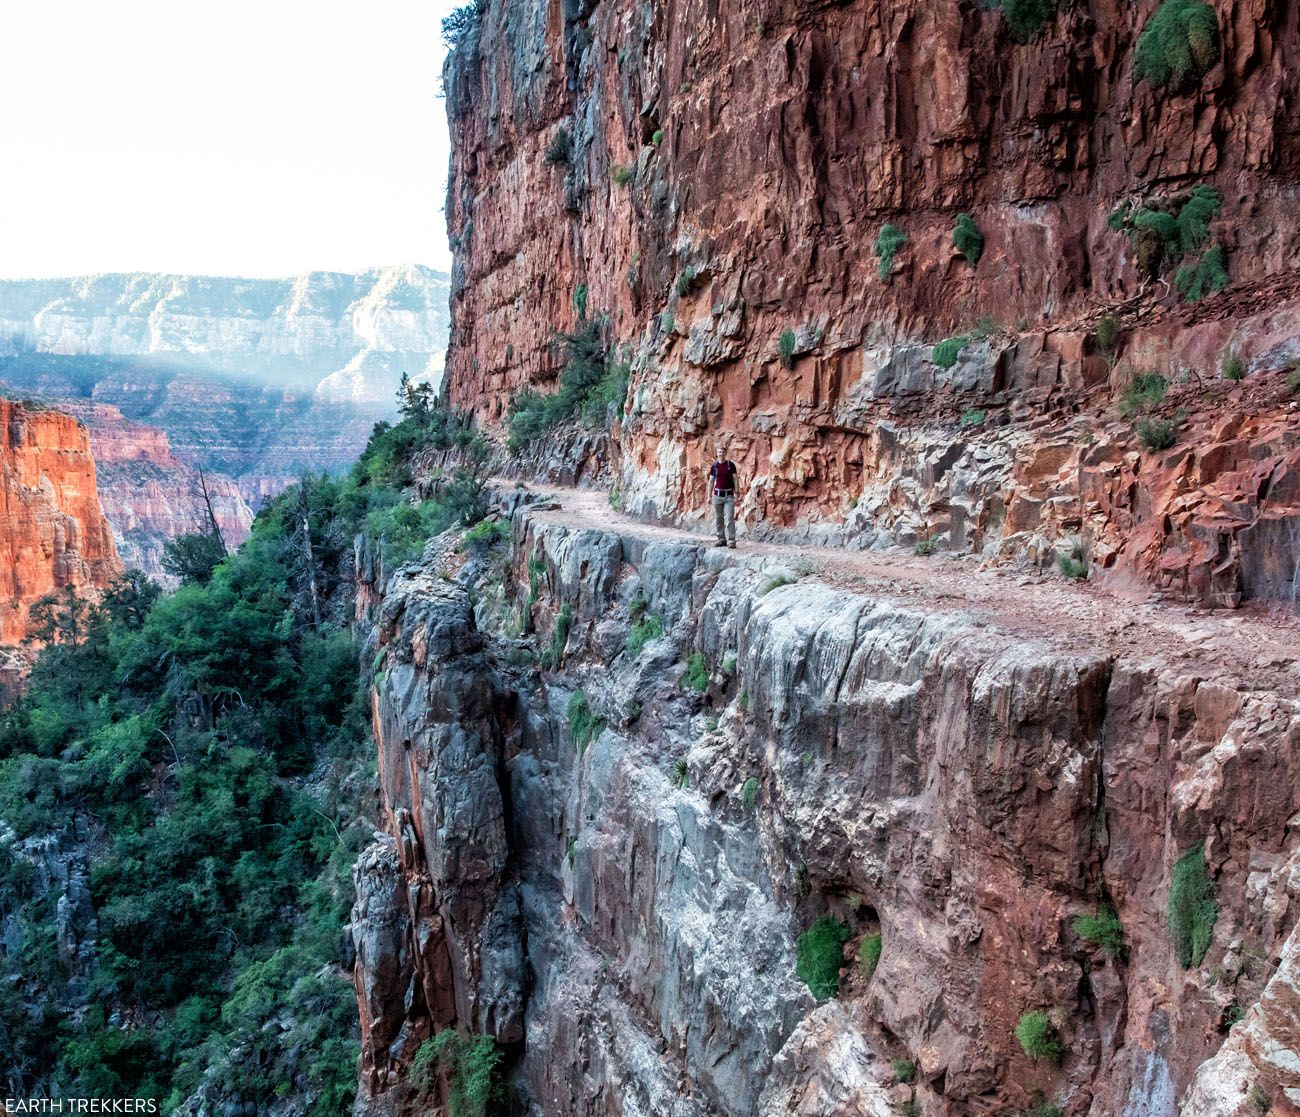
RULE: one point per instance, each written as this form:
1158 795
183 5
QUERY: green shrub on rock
1193 910
945 354
1038 1038
967 239
1103 931
869 953
1179 45
890 240
820 954
1027 18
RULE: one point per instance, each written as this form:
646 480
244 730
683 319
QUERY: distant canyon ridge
253 381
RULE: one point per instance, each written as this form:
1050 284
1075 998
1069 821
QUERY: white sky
231 137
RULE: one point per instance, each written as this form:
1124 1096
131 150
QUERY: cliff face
149 495
256 379
606 862
52 532
729 170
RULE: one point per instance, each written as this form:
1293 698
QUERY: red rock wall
788 133
52 532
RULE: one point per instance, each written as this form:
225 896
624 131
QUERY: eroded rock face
52 531
436 926
763 148
964 787
149 495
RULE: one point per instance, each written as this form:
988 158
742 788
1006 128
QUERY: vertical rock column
436 923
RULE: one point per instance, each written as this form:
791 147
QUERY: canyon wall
149 495
603 851
714 177
256 379
52 531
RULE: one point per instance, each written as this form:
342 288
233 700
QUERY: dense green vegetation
945 354
1103 931
648 628
584 725
1038 1038
820 954
201 746
786 345
593 380
1027 18
1145 391
696 675
890 240
1175 231
1156 434
1179 45
1193 910
471 1066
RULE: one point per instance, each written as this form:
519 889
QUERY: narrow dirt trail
1255 645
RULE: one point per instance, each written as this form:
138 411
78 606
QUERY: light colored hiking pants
724 516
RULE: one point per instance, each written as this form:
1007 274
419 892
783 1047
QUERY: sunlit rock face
52 532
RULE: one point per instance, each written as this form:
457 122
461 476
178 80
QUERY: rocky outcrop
715 178
257 379
927 759
52 532
436 925
151 496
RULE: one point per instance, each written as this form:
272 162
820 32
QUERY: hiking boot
732 544
720 543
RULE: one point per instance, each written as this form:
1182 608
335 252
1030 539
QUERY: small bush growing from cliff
1168 231
967 239
580 295
904 1069
560 150
584 725
1234 368
1038 1038
973 418
472 1066
1207 276
484 534
890 240
682 773
786 345
1145 391
1103 931
1106 335
1179 45
1260 1100
658 137
593 379
457 26
869 954
1156 434
622 175
1027 18
775 583
926 547
945 354
554 656
648 628
1073 565
1043 1108
696 675
749 793
686 280
820 954
1193 910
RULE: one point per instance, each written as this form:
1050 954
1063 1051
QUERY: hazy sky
237 137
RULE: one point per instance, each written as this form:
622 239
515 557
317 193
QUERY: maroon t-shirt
723 476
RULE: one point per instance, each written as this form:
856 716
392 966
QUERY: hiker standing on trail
722 490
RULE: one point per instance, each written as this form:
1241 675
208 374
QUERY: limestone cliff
52 531
622 774
716 178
